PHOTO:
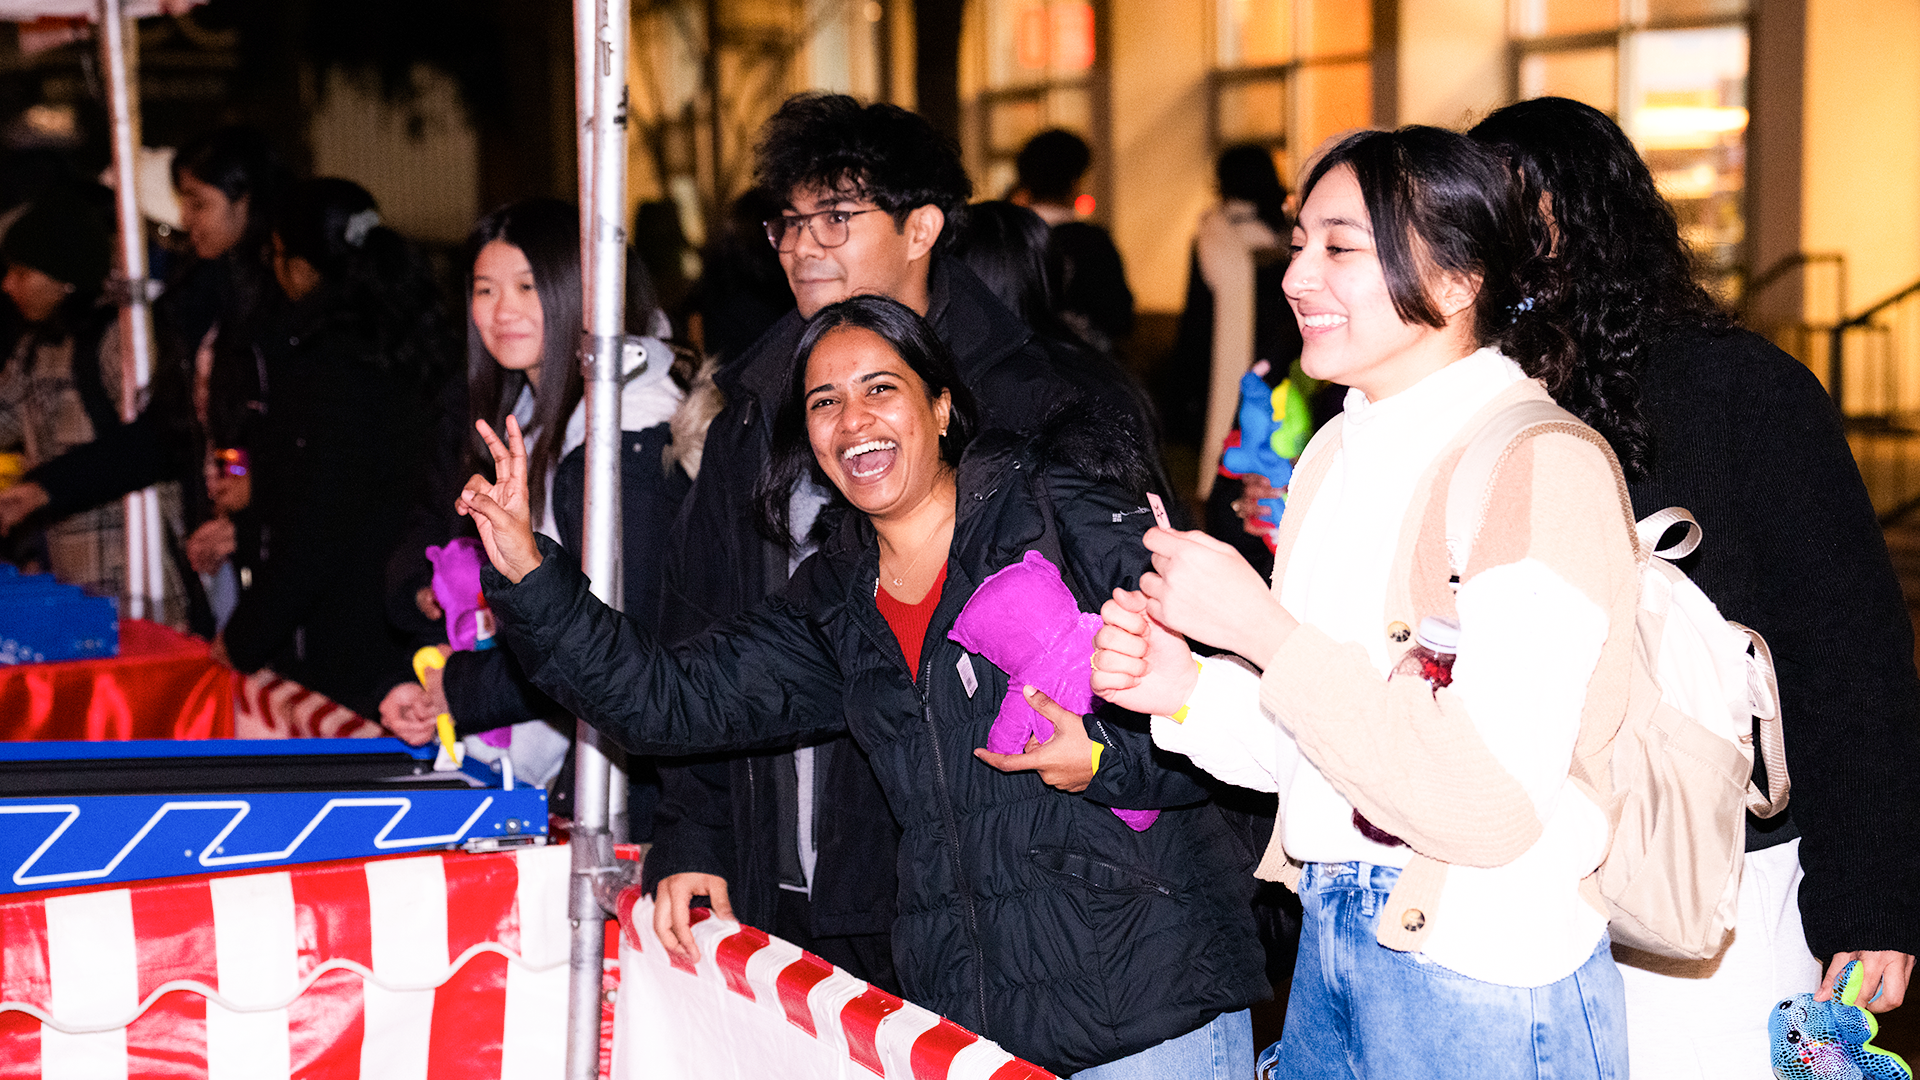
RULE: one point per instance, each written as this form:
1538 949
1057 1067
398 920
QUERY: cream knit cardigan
1410 760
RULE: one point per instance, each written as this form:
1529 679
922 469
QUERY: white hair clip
360 224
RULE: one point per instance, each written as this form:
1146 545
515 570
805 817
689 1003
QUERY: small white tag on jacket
967 678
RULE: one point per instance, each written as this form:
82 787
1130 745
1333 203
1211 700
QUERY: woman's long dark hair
1006 246
1620 275
1460 202
241 164
547 232
382 286
909 336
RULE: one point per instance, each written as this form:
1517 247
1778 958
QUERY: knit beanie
63 238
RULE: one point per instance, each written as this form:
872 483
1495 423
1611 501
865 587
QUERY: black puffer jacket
720 816
1031 916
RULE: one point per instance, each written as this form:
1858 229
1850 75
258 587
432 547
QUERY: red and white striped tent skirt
435 967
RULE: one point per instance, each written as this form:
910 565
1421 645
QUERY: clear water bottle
1431 658
1431 661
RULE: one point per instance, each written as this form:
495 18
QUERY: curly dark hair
1619 276
1458 202
791 458
878 152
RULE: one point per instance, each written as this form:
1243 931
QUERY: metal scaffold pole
601 35
145 578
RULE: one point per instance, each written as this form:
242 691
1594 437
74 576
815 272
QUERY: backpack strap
1471 486
1763 691
1654 527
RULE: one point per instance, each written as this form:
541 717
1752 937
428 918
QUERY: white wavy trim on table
196 987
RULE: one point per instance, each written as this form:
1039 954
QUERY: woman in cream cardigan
1461 934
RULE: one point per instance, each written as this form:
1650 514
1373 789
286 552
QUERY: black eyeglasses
829 227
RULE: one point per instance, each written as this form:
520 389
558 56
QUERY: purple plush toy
456 586
1025 621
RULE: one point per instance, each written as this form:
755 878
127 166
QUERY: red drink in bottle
1431 661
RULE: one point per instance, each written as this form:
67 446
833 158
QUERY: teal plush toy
1831 1040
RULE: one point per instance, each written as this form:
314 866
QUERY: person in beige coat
1444 837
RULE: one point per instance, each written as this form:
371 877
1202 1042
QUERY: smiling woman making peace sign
1027 911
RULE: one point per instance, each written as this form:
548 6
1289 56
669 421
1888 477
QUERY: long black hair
547 232
380 285
911 339
1620 275
241 164
1460 204
1006 246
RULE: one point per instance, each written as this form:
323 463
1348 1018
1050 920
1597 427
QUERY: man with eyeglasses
802 843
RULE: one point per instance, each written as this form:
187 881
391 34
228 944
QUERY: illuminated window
1289 74
1674 74
1041 71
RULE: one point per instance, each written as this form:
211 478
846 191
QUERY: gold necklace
898 583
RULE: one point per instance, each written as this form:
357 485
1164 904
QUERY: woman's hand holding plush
1205 590
500 509
1138 663
1064 761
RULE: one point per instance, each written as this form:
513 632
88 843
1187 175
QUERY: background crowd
316 411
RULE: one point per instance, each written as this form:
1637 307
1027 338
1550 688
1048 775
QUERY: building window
1289 74
1674 74
1043 69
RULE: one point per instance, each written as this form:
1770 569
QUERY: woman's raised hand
1204 589
499 509
1139 664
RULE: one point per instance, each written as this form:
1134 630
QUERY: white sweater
1529 643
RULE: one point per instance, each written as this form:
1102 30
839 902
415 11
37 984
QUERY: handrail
1836 347
1787 264
1861 319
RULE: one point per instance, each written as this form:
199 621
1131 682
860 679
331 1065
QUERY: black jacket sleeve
119 460
1100 531
764 678
695 809
486 690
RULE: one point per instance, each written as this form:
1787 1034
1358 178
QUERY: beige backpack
1704 696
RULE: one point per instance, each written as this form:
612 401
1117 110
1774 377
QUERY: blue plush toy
1274 427
1831 1040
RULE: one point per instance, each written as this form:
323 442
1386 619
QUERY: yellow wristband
1179 716
1097 747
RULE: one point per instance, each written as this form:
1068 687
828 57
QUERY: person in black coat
351 373
728 827
1033 917
227 182
1713 418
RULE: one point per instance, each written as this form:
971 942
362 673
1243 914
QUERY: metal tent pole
602 55
145 577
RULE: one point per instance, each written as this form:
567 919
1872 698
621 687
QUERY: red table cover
446 966
163 685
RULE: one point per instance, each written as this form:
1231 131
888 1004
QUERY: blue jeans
1222 1050
1360 1009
